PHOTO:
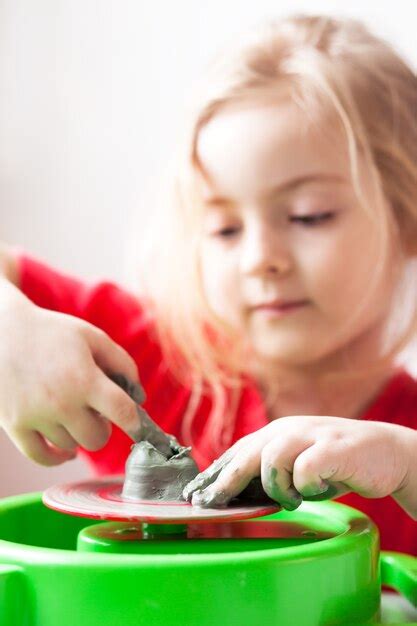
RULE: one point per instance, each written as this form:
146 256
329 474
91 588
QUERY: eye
225 233
312 220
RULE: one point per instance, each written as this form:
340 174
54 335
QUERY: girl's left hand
309 457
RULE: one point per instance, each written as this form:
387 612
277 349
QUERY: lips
279 305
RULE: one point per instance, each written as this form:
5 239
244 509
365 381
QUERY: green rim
349 524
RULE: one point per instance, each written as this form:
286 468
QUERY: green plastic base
45 581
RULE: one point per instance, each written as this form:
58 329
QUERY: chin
293 353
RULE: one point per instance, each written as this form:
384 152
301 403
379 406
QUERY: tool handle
148 430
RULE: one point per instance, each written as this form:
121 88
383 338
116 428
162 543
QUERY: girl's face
289 257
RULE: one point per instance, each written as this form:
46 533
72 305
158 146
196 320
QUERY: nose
265 251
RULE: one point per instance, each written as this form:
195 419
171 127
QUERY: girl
281 292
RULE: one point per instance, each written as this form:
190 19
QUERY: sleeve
51 289
104 304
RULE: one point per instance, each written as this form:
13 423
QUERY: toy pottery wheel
318 565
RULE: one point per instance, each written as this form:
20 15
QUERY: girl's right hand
54 393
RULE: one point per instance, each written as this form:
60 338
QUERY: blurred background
91 94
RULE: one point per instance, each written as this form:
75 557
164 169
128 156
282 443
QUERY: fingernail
329 492
187 492
292 500
314 489
192 486
291 505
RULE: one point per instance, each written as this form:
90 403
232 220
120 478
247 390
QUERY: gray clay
150 475
158 468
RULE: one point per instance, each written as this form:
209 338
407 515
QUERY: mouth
279 308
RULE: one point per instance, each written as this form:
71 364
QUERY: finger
35 447
133 389
109 356
277 463
88 429
317 471
233 478
58 436
112 402
206 478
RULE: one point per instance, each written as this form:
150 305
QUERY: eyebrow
289 185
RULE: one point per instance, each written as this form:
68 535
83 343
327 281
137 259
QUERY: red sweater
122 317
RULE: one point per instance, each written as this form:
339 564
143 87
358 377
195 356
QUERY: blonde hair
323 63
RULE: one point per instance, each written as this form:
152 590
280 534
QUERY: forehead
242 151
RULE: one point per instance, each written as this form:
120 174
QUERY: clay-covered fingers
35 447
278 458
114 404
297 469
210 475
319 471
235 475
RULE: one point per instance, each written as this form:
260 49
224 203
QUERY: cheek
343 272
220 284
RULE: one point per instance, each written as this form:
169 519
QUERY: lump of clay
158 468
153 475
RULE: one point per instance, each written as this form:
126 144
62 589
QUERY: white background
91 93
